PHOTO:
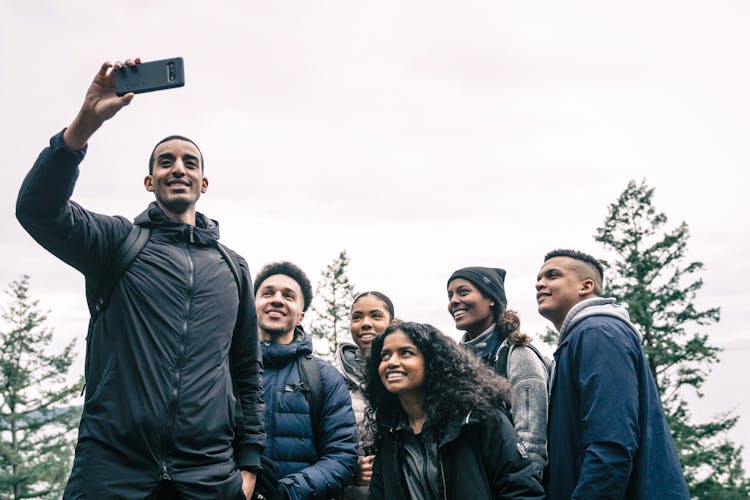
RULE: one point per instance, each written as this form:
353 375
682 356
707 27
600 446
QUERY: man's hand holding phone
100 104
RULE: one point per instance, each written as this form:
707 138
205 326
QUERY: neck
473 333
186 217
413 405
363 352
275 338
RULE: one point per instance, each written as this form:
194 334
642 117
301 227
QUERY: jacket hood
350 363
282 354
205 230
598 306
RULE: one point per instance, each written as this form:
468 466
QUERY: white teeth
391 375
459 313
367 336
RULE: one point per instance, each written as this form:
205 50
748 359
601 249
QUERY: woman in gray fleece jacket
477 303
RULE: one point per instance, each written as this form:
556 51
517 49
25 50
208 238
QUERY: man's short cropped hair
596 268
172 138
287 269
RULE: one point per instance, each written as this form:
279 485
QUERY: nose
539 285
276 298
366 324
453 301
178 168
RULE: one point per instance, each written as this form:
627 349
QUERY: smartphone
150 76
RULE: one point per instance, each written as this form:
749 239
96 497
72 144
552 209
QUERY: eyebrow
273 288
187 156
546 272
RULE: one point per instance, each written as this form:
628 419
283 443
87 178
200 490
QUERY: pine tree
651 274
334 295
36 416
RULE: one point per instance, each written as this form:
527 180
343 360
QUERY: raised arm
100 104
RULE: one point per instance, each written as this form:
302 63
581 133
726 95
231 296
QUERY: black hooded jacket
478 459
174 346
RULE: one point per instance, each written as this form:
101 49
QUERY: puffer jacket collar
205 231
283 354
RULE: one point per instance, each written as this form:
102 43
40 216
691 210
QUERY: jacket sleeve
608 386
247 373
512 473
337 455
82 239
528 376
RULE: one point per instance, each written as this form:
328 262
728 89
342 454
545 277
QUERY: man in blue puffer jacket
608 437
312 463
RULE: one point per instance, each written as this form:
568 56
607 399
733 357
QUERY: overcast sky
420 136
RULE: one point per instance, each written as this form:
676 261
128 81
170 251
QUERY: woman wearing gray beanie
477 304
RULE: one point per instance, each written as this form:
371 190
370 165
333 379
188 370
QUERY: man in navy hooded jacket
608 437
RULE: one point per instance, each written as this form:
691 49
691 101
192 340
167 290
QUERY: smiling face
279 304
471 310
177 178
560 285
369 318
401 366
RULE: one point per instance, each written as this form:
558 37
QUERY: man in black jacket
173 402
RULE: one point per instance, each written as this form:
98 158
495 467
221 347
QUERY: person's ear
301 317
204 184
148 183
587 287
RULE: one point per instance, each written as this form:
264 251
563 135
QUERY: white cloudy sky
421 136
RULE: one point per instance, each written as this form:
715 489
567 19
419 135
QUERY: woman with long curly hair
477 304
439 418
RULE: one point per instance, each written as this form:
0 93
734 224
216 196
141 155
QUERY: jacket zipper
180 351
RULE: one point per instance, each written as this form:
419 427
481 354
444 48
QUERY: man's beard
274 331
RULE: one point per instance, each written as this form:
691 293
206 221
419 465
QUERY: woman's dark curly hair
455 383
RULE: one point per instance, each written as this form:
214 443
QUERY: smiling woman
370 315
440 423
477 303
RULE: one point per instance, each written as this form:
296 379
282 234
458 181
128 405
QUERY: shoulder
495 424
329 374
523 362
604 329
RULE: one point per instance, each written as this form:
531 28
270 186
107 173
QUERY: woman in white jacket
371 314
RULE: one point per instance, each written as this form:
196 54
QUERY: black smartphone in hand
150 76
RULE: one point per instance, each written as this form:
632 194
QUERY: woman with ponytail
370 315
477 303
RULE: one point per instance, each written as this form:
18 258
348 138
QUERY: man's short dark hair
172 138
586 259
287 269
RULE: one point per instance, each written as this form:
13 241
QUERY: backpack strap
500 360
234 265
309 373
545 360
126 253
